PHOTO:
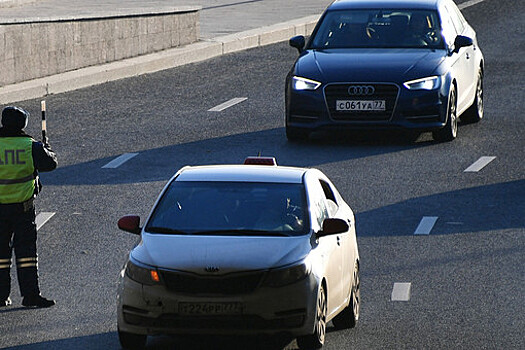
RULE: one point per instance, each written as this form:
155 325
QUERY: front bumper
410 110
155 310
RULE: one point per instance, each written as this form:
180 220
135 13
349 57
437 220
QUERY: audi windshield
231 208
378 29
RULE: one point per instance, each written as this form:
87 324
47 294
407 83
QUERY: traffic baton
44 126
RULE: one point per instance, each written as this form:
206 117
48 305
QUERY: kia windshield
231 208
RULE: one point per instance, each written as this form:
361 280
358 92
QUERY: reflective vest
17 182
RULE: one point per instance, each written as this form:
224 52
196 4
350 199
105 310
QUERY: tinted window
456 17
378 29
231 208
449 30
331 202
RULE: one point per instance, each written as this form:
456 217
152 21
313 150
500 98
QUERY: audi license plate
210 308
360 105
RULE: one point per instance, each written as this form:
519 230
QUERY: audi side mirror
298 42
130 223
462 41
332 226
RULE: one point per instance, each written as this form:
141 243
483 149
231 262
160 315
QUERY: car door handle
467 56
338 240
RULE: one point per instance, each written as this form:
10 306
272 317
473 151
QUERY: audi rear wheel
296 134
475 112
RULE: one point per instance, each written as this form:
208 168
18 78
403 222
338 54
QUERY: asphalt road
466 277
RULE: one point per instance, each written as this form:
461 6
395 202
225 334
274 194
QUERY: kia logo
211 269
361 90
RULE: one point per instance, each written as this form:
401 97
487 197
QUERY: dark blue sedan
386 64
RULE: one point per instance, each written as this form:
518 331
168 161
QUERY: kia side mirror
332 226
130 223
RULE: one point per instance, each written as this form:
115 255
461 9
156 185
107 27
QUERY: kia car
411 65
241 249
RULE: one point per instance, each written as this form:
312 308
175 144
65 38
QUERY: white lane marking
42 218
401 292
115 163
469 3
227 104
479 164
426 225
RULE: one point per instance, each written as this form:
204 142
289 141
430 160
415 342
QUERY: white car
241 249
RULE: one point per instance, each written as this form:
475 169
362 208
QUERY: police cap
14 118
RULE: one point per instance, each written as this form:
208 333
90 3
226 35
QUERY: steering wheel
430 38
372 33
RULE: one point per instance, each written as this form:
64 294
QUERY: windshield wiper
235 232
168 230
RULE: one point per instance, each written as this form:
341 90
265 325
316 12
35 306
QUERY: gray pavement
225 26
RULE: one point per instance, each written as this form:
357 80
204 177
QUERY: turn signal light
155 276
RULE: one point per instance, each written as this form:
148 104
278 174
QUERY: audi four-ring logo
361 90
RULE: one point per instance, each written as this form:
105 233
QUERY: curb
158 61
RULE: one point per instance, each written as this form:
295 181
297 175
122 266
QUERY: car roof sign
260 161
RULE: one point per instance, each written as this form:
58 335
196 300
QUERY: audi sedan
386 64
241 249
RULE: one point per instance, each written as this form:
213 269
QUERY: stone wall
44 47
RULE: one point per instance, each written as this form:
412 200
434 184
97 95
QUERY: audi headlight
287 275
142 273
299 83
429 83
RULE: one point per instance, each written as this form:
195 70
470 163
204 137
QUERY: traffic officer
21 158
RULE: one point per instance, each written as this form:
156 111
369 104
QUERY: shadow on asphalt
159 164
198 342
475 209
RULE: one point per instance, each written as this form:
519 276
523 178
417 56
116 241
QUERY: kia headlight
299 83
429 83
142 273
287 275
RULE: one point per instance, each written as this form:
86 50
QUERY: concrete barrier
40 47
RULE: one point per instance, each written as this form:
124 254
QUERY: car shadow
159 164
195 342
468 210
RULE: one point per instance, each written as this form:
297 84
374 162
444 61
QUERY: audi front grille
361 92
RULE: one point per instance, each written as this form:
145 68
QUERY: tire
131 341
296 134
475 112
316 339
350 315
450 130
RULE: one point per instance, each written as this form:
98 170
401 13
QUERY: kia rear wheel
132 341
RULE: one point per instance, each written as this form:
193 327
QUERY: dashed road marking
401 292
115 163
227 104
469 3
42 218
479 164
426 225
